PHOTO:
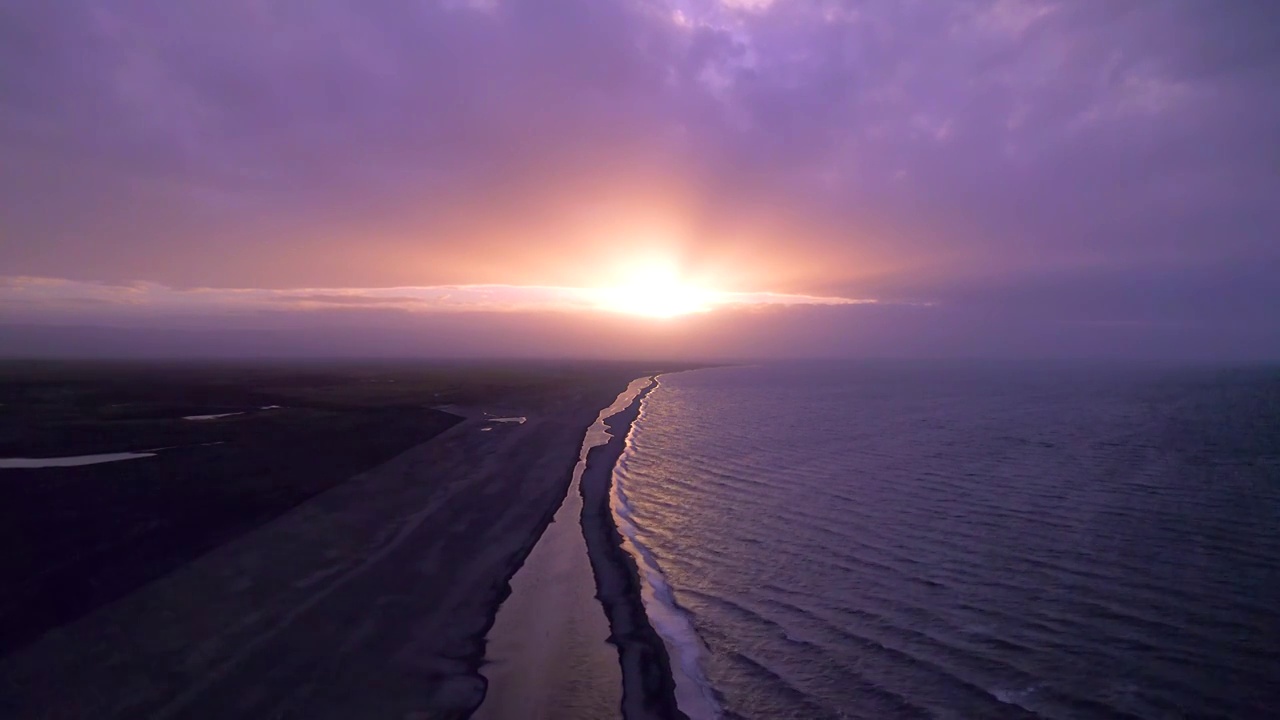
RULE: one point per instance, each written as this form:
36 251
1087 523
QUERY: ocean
961 540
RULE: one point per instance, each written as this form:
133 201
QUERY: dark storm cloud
1061 163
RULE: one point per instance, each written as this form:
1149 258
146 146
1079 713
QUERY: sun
656 292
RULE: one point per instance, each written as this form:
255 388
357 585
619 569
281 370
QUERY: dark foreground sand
369 601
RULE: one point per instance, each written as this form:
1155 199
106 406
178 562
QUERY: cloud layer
1083 163
50 298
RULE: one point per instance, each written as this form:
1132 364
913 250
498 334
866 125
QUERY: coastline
648 685
695 695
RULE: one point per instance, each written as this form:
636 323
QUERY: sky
1081 178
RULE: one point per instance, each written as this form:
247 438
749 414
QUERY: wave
695 695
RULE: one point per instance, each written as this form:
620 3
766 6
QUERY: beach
548 653
371 599
573 642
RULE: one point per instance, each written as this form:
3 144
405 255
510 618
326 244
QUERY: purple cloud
1018 164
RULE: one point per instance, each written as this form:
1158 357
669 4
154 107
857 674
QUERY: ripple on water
873 541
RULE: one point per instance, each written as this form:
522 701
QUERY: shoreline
648 683
695 695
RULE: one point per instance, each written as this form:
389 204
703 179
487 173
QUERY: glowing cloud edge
28 295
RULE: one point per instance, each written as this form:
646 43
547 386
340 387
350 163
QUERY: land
340 556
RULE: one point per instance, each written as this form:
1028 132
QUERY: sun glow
657 292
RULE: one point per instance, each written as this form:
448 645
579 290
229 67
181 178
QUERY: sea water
962 540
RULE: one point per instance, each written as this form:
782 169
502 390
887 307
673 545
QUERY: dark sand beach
372 599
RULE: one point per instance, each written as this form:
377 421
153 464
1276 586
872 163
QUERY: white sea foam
211 417
694 693
516 420
1016 696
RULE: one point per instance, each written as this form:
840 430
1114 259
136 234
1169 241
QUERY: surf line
694 694
644 632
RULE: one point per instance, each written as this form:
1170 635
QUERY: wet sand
370 600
